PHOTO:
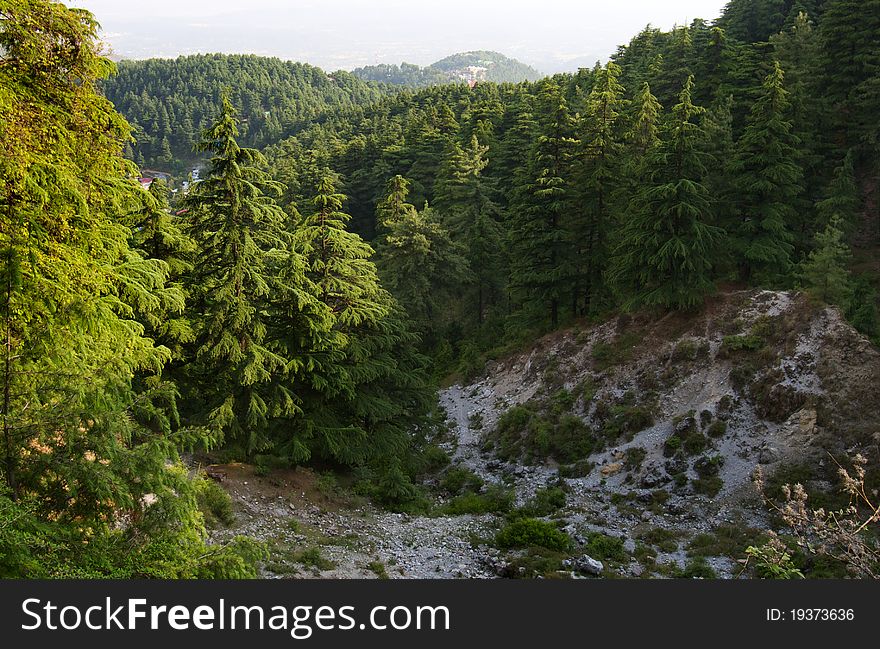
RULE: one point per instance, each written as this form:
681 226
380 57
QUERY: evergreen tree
667 247
393 206
237 228
157 234
467 209
644 132
841 199
418 262
825 271
91 467
768 179
851 62
367 393
598 178
542 260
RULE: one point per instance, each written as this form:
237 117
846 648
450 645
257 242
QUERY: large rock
611 469
585 564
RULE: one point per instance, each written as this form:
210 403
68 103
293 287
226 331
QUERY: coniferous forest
350 246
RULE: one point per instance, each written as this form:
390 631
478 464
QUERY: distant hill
169 101
464 67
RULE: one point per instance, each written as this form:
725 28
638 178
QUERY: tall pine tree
768 184
237 228
542 259
668 244
597 175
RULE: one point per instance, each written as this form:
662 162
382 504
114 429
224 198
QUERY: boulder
611 469
585 564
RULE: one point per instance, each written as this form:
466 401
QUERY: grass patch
313 558
725 541
717 429
546 501
378 569
633 458
534 563
618 351
663 539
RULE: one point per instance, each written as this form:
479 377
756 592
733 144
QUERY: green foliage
238 230
536 434
697 568
666 540
747 342
214 503
534 563
545 502
708 485
770 562
417 261
314 558
616 352
494 500
729 540
666 250
170 101
825 272
378 569
530 532
458 480
768 182
604 547
635 455
717 429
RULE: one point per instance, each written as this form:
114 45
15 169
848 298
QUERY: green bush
709 486
214 503
433 459
666 540
717 429
671 446
697 568
459 480
749 342
530 433
545 501
730 540
620 350
535 562
496 500
607 548
577 469
531 532
627 420
633 457
695 443
707 467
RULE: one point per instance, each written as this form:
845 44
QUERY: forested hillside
760 160
346 251
457 68
169 102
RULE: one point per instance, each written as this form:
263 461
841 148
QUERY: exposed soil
804 380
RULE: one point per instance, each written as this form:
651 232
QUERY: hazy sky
552 35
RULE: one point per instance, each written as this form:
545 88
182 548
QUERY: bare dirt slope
756 378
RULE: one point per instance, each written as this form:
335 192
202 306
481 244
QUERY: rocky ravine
783 375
